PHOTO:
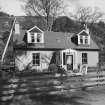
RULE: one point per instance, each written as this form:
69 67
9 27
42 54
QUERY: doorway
69 62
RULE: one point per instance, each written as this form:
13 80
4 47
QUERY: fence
47 83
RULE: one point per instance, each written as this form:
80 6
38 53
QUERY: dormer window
35 35
83 38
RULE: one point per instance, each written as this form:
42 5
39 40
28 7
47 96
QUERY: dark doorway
69 62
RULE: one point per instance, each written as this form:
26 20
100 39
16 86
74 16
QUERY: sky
13 7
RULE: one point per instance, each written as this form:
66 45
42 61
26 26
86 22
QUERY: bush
52 68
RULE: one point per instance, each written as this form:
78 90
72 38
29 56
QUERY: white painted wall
93 58
25 59
46 56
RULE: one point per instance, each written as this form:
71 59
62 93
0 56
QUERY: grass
64 99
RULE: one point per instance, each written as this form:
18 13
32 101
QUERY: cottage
37 49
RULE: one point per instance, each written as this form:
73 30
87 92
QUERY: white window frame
39 39
32 37
84 38
35 36
81 38
35 59
85 58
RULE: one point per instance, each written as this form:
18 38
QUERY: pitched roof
83 33
58 40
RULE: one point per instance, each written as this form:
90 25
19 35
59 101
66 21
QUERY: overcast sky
14 6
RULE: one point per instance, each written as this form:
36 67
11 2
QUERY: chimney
17 28
85 27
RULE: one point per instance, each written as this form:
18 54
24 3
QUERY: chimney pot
17 28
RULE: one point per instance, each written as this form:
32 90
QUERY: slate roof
57 40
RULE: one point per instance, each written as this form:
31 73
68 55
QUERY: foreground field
76 98
48 89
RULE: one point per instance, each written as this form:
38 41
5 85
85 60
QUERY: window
38 37
84 58
35 37
81 39
86 40
32 37
36 59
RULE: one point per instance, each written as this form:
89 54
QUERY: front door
69 62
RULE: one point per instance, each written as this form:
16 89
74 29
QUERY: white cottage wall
25 59
93 58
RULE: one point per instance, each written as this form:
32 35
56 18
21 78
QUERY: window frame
83 38
35 37
86 38
35 60
40 38
32 37
84 58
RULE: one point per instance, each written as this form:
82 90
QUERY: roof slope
58 40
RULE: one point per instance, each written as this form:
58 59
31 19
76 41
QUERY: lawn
90 97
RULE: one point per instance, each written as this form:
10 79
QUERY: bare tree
87 14
48 10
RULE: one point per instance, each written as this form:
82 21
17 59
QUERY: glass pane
38 62
32 37
38 37
64 58
84 55
33 56
81 39
84 58
37 56
32 40
69 60
86 41
33 61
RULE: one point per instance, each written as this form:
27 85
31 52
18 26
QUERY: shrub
52 68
